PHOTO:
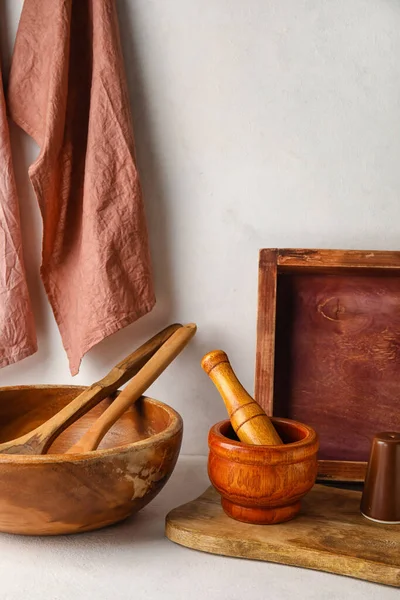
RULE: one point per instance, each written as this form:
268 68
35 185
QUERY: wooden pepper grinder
250 422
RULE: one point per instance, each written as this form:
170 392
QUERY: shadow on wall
104 354
186 369
5 41
24 151
156 206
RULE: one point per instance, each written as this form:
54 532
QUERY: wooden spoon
135 388
39 440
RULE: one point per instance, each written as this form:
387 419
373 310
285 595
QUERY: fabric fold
67 90
17 328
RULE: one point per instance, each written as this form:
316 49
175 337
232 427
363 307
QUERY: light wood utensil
135 388
250 422
40 439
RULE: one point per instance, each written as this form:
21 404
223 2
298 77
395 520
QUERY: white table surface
135 560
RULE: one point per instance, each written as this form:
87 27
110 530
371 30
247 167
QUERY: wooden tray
328 348
329 535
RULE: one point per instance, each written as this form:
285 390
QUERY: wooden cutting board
329 535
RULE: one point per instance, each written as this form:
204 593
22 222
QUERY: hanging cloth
17 329
68 91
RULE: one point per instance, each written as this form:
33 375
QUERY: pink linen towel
17 329
68 91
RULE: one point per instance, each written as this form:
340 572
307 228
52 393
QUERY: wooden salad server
250 422
135 388
39 440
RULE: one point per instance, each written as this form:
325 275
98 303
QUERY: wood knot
332 309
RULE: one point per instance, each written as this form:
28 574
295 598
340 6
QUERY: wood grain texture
56 493
337 259
263 484
249 421
328 535
265 354
342 470
337 351
342 337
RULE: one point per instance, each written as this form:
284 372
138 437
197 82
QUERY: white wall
258 124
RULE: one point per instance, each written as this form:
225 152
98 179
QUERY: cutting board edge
370 571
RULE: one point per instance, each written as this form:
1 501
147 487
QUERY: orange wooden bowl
57 493
263 484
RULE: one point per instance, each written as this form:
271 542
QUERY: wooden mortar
263 484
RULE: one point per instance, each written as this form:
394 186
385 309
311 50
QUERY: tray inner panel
337 358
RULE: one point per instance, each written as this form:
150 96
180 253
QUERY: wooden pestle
250 422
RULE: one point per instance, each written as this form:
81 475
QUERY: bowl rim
174 427
262 455
310 438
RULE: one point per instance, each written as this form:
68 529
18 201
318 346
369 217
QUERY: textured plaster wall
258 124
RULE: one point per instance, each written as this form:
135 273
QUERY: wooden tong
135 388
39 440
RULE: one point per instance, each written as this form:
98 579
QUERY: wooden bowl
263 484
57 493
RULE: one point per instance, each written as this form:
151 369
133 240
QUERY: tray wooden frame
274 261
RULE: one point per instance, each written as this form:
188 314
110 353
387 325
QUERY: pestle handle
250 422
135 388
